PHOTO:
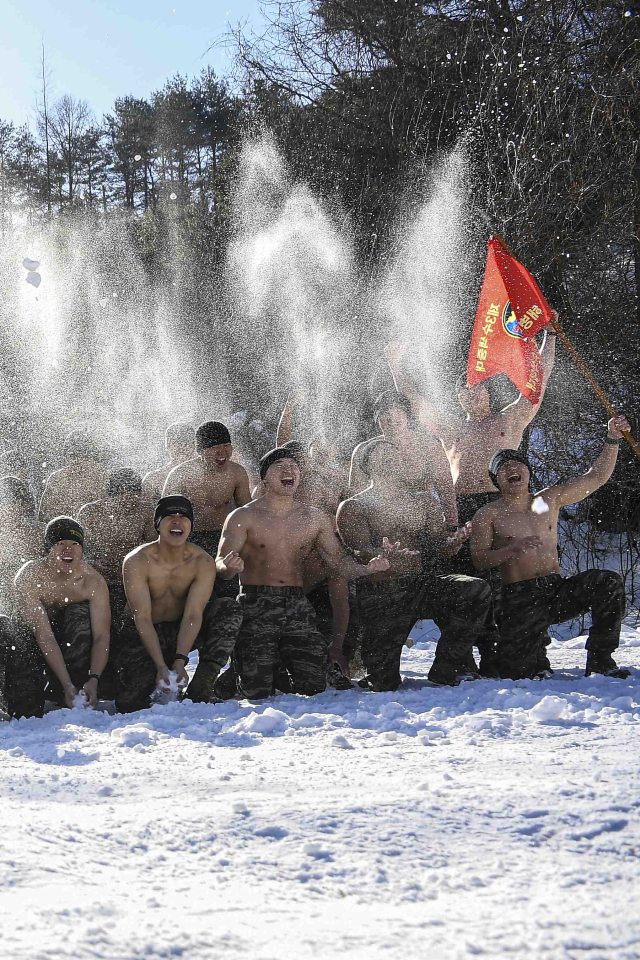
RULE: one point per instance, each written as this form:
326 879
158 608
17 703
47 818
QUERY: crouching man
519 533
266 543
59 642
168 585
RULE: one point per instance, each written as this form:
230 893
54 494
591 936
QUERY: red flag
511 311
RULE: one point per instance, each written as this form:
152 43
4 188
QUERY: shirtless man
169 584
471 446
62 625
389 513
266 543
81 480
215 484
113 527
180 444
519 534
21 538
425 465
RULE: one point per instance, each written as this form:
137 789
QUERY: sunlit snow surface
496 819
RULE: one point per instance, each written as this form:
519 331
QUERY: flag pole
599 392
581 365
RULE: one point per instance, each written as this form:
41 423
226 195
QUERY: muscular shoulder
93 579
56 476
489 512
140 555
26 575
353 508
91 511
184 471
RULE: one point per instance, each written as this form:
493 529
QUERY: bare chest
290 536
517 526
170 581
210 491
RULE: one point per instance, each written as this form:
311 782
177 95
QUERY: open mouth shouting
175 532
514 477
287 482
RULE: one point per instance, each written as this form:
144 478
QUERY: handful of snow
539 506
80 700
34 279
168 692
30 265
549 708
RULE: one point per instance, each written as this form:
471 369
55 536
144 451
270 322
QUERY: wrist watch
613 442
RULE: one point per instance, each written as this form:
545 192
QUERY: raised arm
295 398
443 482
136 586
522 410
574 491
242 491
233 538
100 613
48 499
36 617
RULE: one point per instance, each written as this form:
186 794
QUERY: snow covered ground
496 819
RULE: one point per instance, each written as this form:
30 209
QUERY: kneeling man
62 631
519 534
168 585
266 543
409 527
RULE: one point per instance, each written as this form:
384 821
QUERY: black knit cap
62 528
273 456
211 433
502 457
296 448
170 505
124 481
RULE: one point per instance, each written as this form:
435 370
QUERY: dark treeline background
362 95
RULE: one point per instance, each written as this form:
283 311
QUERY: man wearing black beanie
169 585
215 484
266 542
61 635
519 534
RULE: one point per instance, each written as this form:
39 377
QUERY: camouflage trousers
208 540
461 563
136 678
28 681
387 610
530 606
279 634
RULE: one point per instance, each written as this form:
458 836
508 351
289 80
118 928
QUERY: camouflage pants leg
385 621
118 602
22 677
460 607
279 626
136 671
530 606
72 630
221 622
